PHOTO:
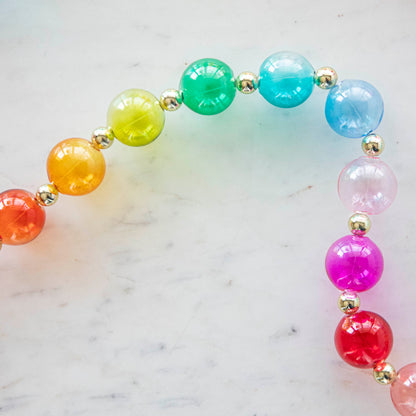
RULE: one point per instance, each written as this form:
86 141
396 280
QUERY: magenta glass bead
403 390
367 184
354 263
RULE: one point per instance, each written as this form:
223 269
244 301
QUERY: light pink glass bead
368 185
403 390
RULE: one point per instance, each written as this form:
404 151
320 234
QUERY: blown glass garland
367 186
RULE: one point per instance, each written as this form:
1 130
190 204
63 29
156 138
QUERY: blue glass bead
354 108
286 79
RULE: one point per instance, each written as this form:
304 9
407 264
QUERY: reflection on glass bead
363 339
368 185
75 167
208 86
354 263
286 79
21 217
135 117
403 390
354 108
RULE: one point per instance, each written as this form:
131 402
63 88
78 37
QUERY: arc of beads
367 185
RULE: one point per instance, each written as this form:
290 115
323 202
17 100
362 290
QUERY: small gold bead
348 302
384 373
359 224
247 82
326 78
372 145
102 138
171 100
47 195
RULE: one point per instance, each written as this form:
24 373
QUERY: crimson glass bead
363 339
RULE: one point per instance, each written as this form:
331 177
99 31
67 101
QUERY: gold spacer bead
326 77
247 82
102 138
348 302
359 223
47 195
372 145
384 373
171 100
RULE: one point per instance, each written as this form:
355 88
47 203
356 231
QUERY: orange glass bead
75 167
21 217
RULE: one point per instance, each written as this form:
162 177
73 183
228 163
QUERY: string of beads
367 186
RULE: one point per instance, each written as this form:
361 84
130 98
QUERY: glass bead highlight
75 167
367 184
354 108
21 217
354 263
208 86
136 117
363 339
403 390
286 79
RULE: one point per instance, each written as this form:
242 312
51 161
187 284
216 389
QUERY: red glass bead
21 217
363 339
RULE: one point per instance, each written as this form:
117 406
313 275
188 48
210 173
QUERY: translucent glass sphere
367 185
286 79
354 108
21 217
75 167
136 117
363 339
208 86
403 390
354 263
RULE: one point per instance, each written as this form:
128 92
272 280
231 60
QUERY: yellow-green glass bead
135 117
208 86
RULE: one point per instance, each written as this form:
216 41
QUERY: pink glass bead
354 263
403 390
368 185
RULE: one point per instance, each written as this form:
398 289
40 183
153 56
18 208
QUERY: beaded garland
367 186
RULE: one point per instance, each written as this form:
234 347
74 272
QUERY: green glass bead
208 86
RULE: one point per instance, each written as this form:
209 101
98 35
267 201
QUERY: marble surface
192 281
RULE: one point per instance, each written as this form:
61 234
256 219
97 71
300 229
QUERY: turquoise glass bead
354 108
208 86
286 79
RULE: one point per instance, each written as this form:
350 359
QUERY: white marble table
191 283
